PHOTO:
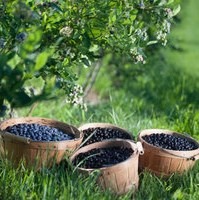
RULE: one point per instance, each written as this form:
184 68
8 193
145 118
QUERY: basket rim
29 141
91 146
189 153
20 120
104 125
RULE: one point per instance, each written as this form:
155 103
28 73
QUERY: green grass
60 182
164 97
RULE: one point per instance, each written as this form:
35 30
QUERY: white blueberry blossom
139 59
142 34
161 36
137 56
169 12
75 97
66 31
166 26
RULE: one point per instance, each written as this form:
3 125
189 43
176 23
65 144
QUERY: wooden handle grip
6 136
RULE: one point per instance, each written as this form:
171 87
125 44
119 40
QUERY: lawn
164 97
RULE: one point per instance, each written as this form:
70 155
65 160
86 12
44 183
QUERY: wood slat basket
38 153
165 162
119 178
84 127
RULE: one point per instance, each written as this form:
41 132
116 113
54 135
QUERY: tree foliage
42 43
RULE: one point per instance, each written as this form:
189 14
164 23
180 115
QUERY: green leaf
176 10
170 1
127 22
14 61
49 85
133 17
41 60
112 18
57 8
85 61
152 42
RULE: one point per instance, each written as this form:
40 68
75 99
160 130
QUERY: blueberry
171 142
99 134
21 37
97 158
2 43
39 132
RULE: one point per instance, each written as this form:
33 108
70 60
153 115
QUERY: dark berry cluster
37 132
3 109
171 142
21 37
103 157
97 134
52 4
2 43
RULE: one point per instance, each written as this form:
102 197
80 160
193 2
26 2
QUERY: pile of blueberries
102 157
98 134
37 132
171 142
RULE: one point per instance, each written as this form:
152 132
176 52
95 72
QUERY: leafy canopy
42 43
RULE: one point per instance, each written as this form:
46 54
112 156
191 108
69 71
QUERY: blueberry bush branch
44 43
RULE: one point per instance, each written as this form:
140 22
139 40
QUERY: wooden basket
119 178
38 153
164 162
105 125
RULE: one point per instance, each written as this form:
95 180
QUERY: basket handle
195 157
140 149
11 137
